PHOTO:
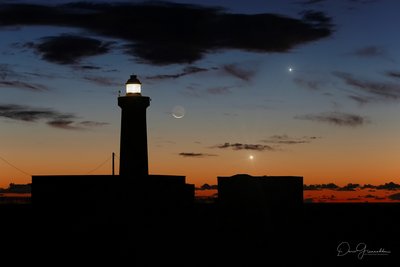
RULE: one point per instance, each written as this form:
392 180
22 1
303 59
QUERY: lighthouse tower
133 146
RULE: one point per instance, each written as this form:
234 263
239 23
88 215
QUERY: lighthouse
133 142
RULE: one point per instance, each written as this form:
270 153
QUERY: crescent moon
178 112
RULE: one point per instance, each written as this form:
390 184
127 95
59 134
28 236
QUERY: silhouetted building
109 197
133 147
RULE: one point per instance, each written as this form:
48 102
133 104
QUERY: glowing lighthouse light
133 86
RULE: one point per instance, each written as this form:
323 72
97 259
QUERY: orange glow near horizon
308 161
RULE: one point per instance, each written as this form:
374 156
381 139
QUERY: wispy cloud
376 91
393 74
362 99
196 155
370 51
93 123
63 124
52 117
286 140
239 146
239 72
9 78
193 90
313 85
26 113
101 80
336 118
34 87
223 90
185 72
197 91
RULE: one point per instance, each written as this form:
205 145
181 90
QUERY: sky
305 87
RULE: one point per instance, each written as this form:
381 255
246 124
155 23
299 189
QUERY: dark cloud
331 186
239 72
377 91
349 187
393 74
87 67
286 140
164 33
353 187
370 51
195 155
389 186
394 196
317 18
370 186
207 187
26 113
70 49
186 71
336 118
313 85
63 124
53 118
238 146
311 187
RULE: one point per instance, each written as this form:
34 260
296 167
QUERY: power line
99 166
15 167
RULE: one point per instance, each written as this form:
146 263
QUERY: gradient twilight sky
310 88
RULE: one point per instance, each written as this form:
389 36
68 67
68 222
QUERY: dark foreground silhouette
200 237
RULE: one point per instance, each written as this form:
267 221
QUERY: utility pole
113 164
